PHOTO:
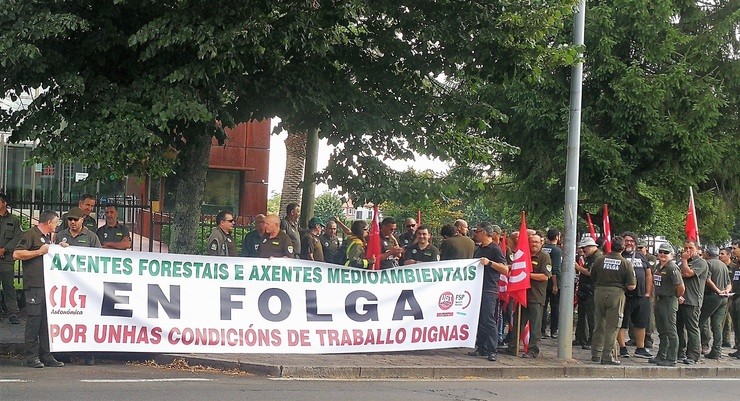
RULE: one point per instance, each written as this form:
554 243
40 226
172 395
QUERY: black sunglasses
664 252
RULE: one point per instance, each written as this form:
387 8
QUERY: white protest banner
107 300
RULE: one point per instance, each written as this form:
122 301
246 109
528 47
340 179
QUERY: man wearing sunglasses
221 243
86 204
668 286
407 238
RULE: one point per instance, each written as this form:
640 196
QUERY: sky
277 162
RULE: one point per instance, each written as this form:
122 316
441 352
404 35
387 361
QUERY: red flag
591 226
373 242
525 338
521 268
607 230
503 279
692 226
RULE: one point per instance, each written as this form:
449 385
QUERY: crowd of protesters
624 294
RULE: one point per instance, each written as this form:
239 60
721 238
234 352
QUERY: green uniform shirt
718 274
330 246
413 252
278 247
456 247
695 284
251 244
312 246
612 270
85 238
293 233
541 263
10 234
666 278
33 269
221 243
116 233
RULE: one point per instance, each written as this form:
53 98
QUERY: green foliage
327 206
273 203
434 213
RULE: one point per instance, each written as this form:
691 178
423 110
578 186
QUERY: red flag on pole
692 225
525 338
607 230
591 226
373 241
521 268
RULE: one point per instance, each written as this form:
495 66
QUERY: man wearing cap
252 240
76 234
421 250
312 248
668 286
330 243
31 248
86 204
275 243
585 323
715 300
10 234
642 248
612 274
220 242
694 273
408 237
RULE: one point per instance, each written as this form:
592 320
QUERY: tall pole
567 289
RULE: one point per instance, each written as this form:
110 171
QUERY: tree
327 206
273 203
144 88
659 107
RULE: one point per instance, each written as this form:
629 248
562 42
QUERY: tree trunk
295 150
309 176
191 178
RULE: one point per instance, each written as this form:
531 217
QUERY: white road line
530 379
13 381
184 379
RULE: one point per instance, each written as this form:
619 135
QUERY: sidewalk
434 364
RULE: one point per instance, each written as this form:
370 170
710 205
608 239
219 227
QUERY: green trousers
608 312
710 320
687 323
665 321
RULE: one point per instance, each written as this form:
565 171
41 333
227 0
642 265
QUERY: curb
460 373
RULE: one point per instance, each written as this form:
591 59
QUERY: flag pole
696 221
518 326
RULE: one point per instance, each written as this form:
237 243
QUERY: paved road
146 382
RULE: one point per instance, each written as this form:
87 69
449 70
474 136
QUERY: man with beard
637 303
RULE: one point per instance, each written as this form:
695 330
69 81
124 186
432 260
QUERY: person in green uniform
10 234
275 243
31 248
724 257
532 313
612 274
330 243
76 233
86 204
312 249
715 300
455 245
585 293
113 234
420 250
694 273
668 286
252 240
220 242
735 299
290 226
